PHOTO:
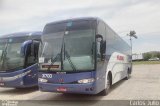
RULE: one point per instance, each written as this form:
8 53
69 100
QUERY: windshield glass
11 58
68 47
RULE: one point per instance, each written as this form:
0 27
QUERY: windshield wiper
3 50
8 69
70 61
53 61
17 68
4 54
1 58
68 58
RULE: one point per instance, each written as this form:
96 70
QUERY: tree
147 56
158 55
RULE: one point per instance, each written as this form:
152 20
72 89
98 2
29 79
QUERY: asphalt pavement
144 84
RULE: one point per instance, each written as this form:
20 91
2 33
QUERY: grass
145 62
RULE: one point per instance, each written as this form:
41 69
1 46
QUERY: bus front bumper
17 83
14 83
68 88
27 77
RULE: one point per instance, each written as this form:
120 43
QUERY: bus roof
23 34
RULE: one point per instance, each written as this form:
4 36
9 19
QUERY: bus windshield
68 46
11 58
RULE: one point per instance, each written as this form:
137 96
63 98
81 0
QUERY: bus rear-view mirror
25 48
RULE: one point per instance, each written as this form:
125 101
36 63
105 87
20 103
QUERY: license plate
1 84
61 89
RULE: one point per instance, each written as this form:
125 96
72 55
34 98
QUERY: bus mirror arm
103 49
102 46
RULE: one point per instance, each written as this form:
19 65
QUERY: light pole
132 34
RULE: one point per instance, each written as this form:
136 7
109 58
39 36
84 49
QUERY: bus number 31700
46 75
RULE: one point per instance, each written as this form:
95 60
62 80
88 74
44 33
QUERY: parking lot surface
144 84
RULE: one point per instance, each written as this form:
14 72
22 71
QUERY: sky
143 16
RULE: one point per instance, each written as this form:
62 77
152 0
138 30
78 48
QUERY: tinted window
17 39
69 26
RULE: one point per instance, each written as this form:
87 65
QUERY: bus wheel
106 91
127 77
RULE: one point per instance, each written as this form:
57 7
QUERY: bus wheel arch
109 83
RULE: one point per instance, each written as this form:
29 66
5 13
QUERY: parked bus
82 55
18 59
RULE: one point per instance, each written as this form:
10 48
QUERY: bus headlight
84 81
42 80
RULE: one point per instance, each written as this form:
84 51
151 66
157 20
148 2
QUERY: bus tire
128 75
106 91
